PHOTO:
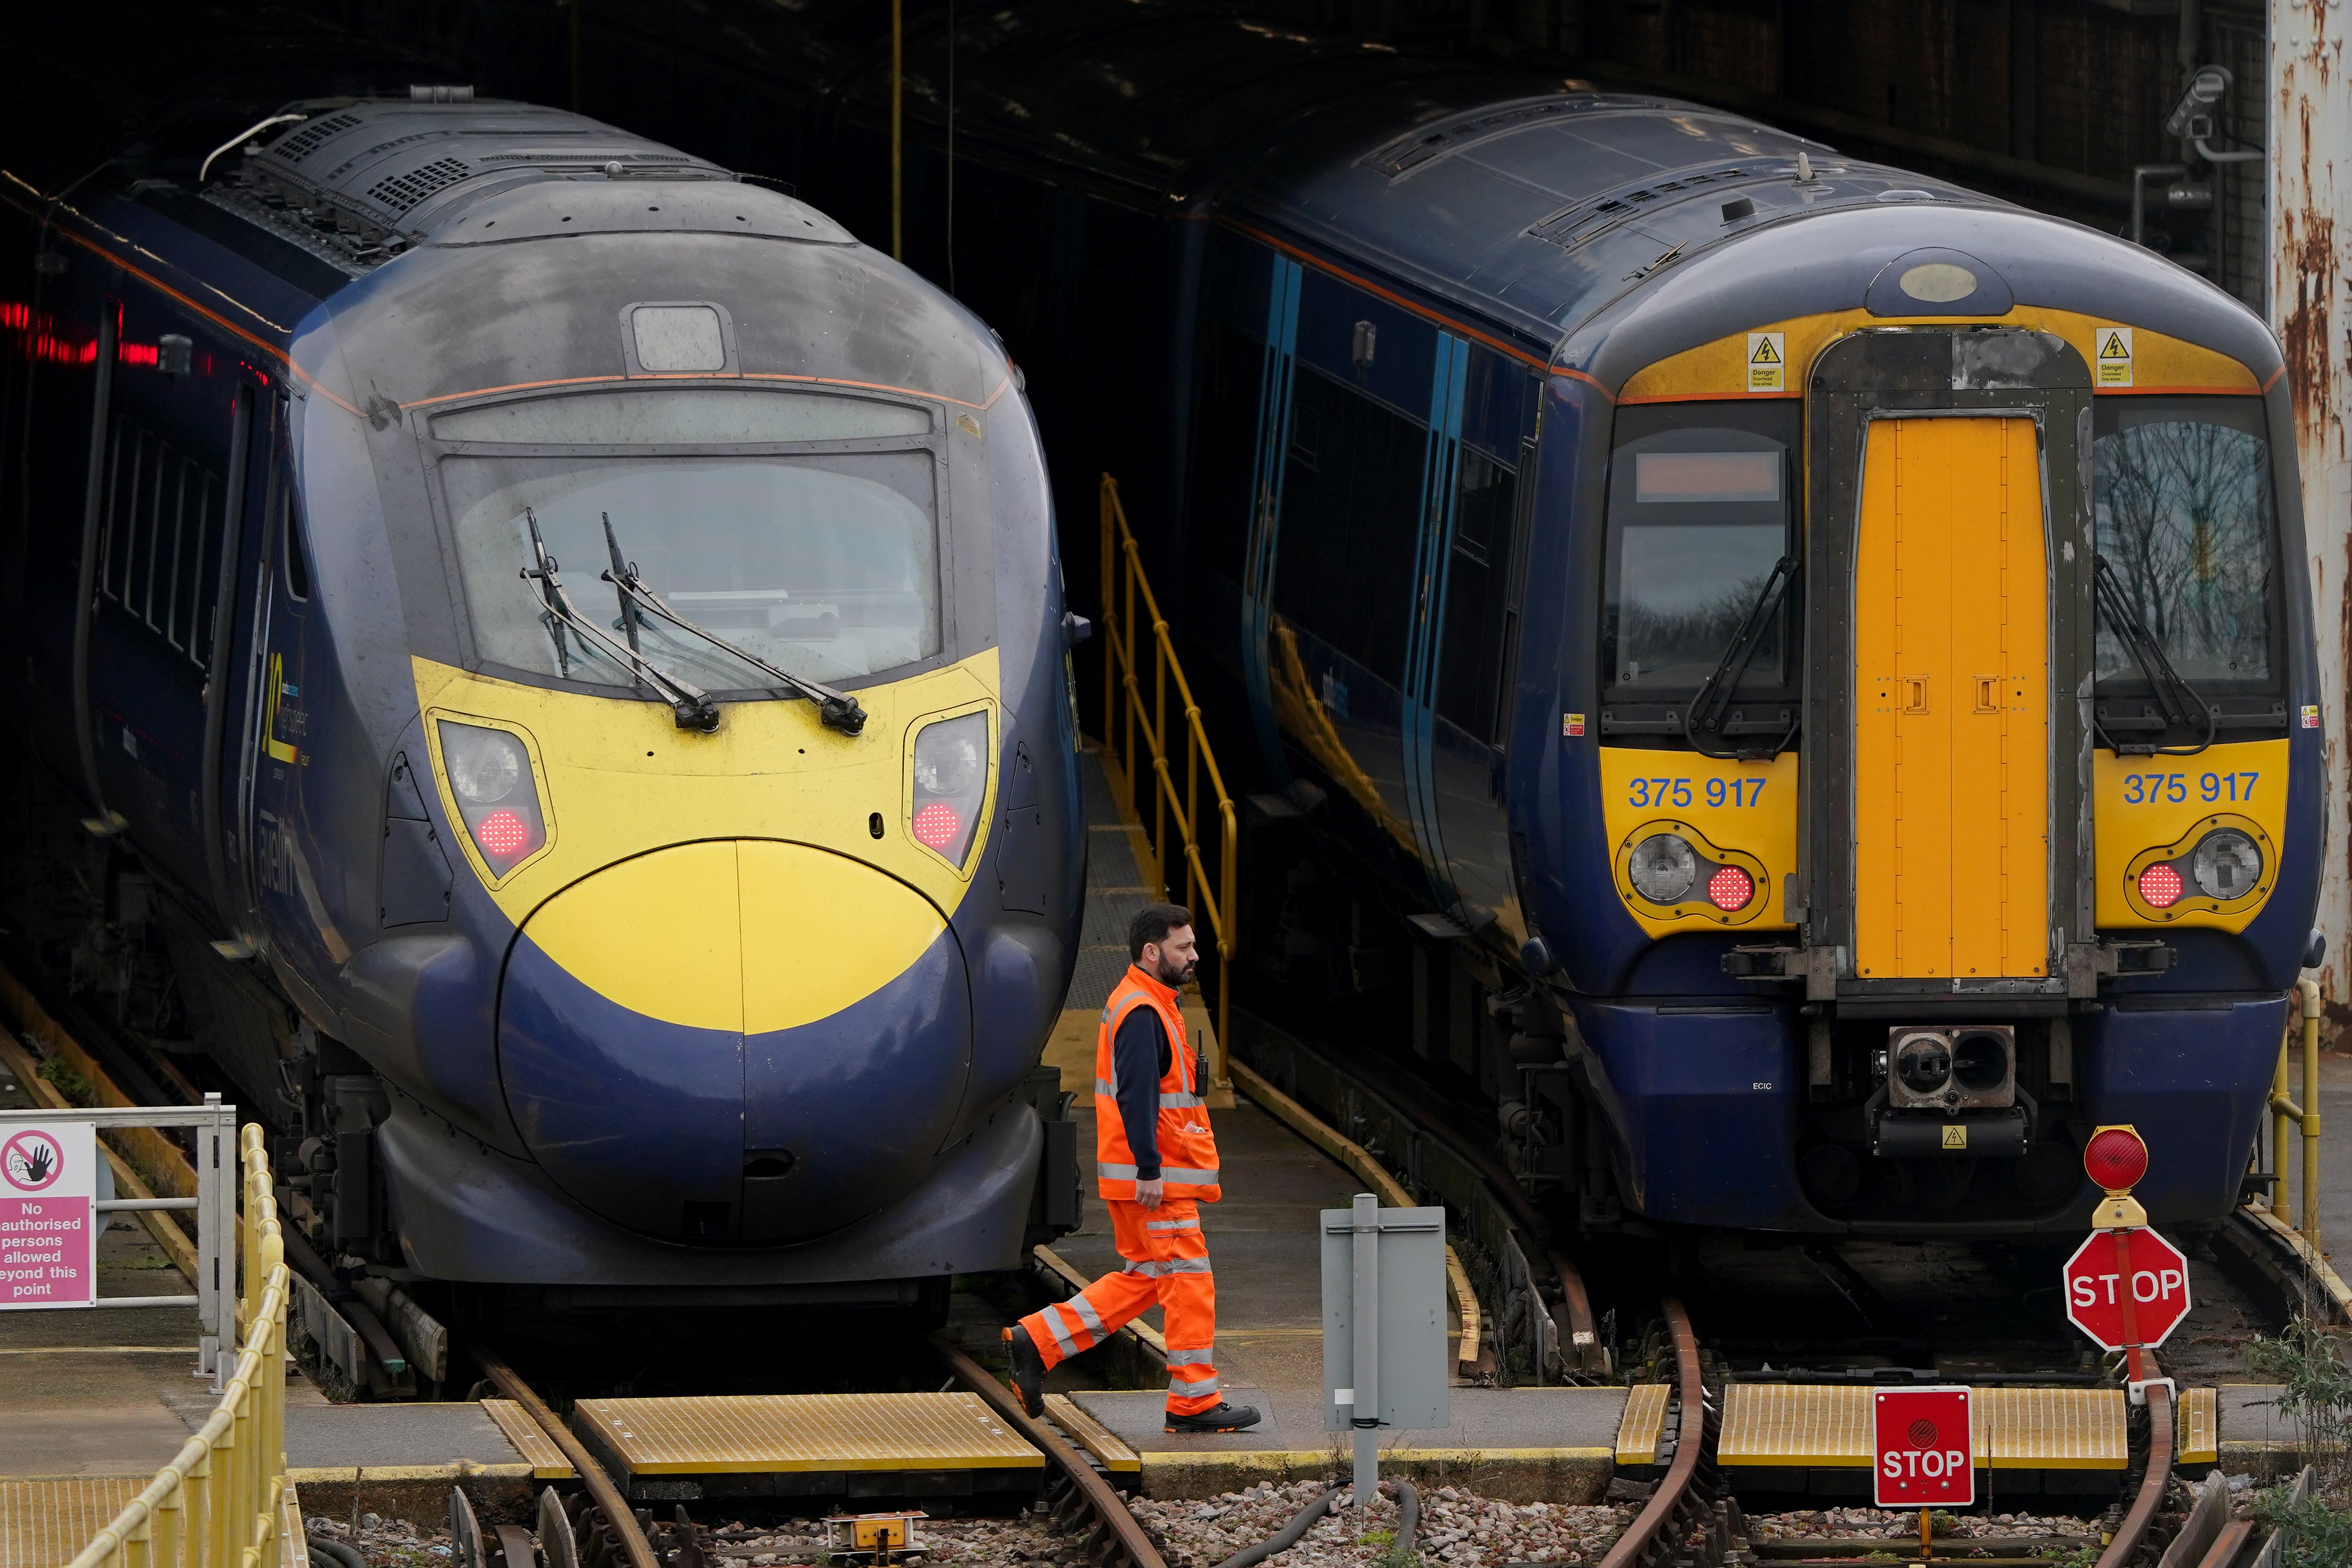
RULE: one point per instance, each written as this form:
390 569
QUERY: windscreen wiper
1706 711
694 711
836 709
2173 693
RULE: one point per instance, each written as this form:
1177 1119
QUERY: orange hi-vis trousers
1168 1262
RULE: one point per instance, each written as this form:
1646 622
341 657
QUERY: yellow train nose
738 1040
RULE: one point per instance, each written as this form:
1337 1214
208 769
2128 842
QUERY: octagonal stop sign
2126 1287
1923 1449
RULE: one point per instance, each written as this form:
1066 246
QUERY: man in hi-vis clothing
1156 1160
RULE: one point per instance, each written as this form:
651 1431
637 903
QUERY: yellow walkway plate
1643 1423
2015 1428
749 1433
1091 1434
546 1460
44 1523
2201 1426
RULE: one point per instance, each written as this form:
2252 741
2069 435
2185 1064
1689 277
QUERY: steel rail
1115 1530
607 1496
1679 1505
2158 1475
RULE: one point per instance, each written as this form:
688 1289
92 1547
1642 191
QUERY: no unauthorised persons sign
48 1237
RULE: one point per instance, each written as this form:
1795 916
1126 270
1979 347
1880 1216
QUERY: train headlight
2226 865
497 799
1663 868
951 779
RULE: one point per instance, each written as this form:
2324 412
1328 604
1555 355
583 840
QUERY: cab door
1951 677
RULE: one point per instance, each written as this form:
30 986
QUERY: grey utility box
1398 1266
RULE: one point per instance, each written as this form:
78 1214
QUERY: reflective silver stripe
1188 1358
1172 1101
1172 1224
1104 1085
1147 1268
1061 1335
1115 1172
1186 1390
1186 1265
1087 1315
1177 1176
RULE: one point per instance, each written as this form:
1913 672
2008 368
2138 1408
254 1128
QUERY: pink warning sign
48 1237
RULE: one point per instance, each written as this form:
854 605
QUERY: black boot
1028 1369
1224 1417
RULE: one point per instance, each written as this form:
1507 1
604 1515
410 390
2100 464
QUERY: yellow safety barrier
2305 1116
1123 584
216 1505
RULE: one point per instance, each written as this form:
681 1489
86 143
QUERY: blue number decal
1640 795
1681 795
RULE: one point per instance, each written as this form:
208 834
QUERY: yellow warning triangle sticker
1764 354
2114 347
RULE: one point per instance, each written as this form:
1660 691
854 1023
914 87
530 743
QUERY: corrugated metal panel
749 1433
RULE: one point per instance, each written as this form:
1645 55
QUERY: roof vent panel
398 193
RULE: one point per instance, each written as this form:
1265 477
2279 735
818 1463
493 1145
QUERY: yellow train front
1939 766
615 736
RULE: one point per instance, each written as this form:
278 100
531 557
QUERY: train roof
1528 200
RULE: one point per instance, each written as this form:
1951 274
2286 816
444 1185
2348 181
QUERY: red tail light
2159 886
936 826
1731 889
502 834
2116 1158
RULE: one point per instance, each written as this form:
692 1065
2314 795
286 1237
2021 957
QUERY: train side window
2187 531
1701 505
161 554
1478 579
298 560
1344 558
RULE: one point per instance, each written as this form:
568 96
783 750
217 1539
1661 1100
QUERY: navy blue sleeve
1139 1055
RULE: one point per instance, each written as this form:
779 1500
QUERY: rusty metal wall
2311 193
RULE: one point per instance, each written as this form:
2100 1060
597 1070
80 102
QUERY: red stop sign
1924 1448
2127 1287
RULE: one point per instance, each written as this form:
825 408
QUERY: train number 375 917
1681 793
2149 789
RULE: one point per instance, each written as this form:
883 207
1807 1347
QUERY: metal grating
749 1433
2015 1428
1642 1425
2201 1426
546 1460
44 1523
1588 220
300 143
1092 1435
401 192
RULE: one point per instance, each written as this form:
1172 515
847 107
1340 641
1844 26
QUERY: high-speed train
1804 671
559 657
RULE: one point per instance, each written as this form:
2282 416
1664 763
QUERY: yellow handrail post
2307 991
1128 603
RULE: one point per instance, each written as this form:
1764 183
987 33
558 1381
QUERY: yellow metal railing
1174 819
217 1504
2305 1116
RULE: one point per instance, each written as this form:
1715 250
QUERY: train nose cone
735 1041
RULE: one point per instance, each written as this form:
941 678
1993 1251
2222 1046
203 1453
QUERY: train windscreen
2187 527
1701 508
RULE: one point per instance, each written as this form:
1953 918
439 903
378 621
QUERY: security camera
2192 116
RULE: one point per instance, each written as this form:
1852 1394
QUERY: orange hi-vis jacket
1188 1150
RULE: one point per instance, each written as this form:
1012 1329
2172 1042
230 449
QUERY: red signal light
1731 889
936 826
2160 886
2116 1158
502 833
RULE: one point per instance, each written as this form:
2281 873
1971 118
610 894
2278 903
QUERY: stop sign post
1924 1443
2125 1286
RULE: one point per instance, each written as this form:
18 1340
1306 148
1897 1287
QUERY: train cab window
2185 531
826 564
1701 507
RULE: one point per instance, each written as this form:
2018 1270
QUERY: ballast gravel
1458 1528
975 1543
1903 1525
384 1542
